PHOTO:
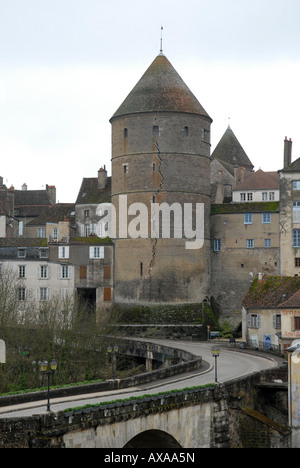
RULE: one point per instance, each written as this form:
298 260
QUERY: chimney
287 156
102 178
51 189
219 198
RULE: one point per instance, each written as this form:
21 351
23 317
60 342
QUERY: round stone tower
161 165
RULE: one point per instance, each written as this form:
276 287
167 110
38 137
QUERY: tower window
186 131
155 130
153 167
125 132
125 168
141 269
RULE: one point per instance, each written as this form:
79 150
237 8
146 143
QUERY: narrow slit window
141 269
125 132
155 130
186 131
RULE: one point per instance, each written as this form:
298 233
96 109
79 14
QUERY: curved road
231 364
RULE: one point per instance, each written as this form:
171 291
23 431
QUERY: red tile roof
259 180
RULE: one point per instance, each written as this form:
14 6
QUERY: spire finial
161 39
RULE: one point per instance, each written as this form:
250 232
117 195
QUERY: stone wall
215 417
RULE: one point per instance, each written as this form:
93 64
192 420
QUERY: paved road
230 365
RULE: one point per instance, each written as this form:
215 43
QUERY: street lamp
215 351
48 369
113 350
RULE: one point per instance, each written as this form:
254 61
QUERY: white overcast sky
67 65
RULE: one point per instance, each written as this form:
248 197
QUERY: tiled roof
56 213
160 89
271 292
31 202
89 192
292 302
230 150
21 242
247 207
259 180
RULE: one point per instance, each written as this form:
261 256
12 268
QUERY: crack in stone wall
158 190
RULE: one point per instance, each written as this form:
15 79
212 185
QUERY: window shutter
258 320
107 294
106 272
248 320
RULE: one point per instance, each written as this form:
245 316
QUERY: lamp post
113 350
215 351
48 369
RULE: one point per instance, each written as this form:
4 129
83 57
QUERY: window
125 132
125 168
217 245
277 321
155 130
243 197
86 213
63 252
43 294
186 131
249 196
65 272
266 218
20 229
296 184
297 262
21 294
22 269
248 218
141 269
296 238
21 253
43 271
43 253
87 230
41 232
206 135
153 167
296 211
96 252
55 233
100 230
253 320
267 243
250 243
272 196
297 323
264 196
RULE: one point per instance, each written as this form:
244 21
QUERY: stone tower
160 154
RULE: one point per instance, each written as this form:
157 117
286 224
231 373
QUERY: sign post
2 352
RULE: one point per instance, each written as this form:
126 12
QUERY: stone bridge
226 415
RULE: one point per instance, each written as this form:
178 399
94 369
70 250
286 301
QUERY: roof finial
161 39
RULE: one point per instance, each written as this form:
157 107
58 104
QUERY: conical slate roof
230 150
160 89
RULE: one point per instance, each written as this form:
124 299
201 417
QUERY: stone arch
153 438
